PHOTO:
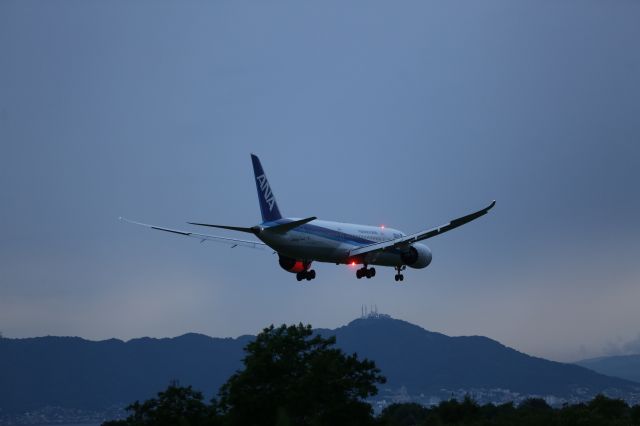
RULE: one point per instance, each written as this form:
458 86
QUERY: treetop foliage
600 411
176 406
289 378
295 378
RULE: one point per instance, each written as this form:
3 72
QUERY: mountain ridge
622 366
80 373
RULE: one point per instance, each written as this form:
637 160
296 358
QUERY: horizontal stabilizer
231 228
291 225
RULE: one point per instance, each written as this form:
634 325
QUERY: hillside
77 373
623 366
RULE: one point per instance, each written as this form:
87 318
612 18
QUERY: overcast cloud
399 113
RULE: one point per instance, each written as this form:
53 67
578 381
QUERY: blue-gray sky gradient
403 113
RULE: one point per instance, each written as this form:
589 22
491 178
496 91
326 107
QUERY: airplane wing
422 235
203 237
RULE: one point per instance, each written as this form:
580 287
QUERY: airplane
299 242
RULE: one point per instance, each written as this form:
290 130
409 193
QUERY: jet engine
293 265
417 256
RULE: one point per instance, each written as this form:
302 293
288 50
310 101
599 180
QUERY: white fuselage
327 241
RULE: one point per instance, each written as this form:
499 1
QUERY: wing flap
231 228
202 237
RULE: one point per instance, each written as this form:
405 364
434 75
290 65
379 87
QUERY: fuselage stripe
327 233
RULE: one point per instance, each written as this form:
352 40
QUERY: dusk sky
407 114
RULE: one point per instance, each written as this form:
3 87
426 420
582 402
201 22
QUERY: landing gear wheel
306 275
401 277
397 277
365 272
309 275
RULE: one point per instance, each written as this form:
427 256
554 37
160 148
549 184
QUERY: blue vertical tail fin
268 205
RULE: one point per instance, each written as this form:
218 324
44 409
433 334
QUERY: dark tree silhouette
607 408
176 406
407 414
601 411
293 378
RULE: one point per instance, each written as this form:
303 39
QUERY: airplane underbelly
303 246
306 247
310 252
384 259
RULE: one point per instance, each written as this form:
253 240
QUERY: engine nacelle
417 256
293 265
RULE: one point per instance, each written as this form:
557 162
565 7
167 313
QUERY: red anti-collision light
298 266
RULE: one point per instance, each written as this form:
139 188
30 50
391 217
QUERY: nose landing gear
306 275
366 272
399 276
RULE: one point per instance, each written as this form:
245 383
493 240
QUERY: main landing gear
366 272
399 276
306 275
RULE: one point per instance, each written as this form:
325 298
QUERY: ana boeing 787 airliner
299 242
